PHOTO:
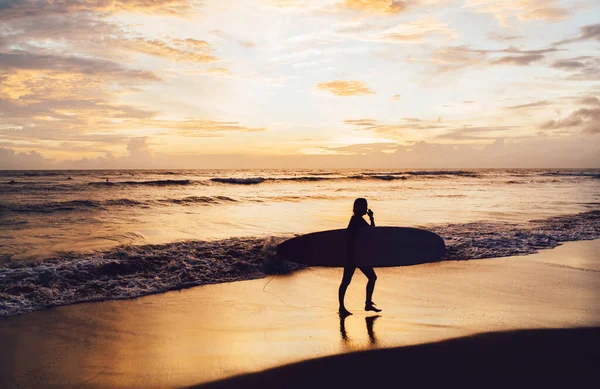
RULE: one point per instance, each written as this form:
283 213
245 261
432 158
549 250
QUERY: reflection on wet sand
350 342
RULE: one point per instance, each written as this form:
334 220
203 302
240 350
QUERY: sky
96 84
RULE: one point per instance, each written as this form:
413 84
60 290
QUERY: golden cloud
181 50
202 128
345 88
523 10
376 6
50 105
415 32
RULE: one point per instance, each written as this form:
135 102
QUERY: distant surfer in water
360 209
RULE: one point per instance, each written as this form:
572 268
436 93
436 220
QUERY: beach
214 332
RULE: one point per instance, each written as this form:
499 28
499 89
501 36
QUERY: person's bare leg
348 273
370 273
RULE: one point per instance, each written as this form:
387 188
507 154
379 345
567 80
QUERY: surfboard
373 246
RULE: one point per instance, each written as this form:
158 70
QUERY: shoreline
204 334
133 271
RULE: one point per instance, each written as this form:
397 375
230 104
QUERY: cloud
575 151
540 103
589 100
363 148
13 9
455 58
407 126
10 159
568 64
523 10
228 37
376 6
413 32
522 60
586 119
502 37
96 37
589 32
181 50
475 133
345 88
417 31
584 68
387 7
452 59
18 59
198 127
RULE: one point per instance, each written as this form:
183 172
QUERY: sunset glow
289 83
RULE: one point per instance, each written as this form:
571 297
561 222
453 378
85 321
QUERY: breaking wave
87 205
239 181
147 183
133 271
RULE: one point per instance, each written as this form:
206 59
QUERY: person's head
360 207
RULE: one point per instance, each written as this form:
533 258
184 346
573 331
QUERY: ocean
73 236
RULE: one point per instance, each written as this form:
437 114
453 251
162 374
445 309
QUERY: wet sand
214 332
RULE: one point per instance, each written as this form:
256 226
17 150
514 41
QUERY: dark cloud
97 37
456 58
586 119
541 103
12 160
521 60
14 9
567 64
581 68
508 50
589 100
589 32
68 64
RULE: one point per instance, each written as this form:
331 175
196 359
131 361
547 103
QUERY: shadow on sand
522 359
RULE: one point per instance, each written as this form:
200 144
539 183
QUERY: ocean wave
495 239
238 181
50 207
192 200
388 177
259 180
462 173
571 174
147 183
86 205
133 271
303 179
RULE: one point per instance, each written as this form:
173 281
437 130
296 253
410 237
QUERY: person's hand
370 213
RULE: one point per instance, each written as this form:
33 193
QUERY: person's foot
371 307
344 312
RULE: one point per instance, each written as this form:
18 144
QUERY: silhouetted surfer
360 209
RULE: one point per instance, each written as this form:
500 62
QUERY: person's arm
371 217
